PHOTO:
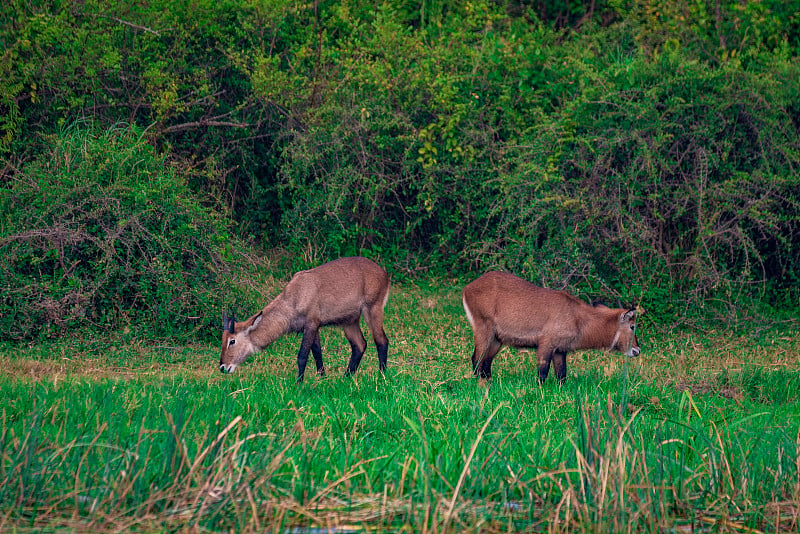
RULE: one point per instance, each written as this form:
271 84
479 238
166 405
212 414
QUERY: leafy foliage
100 231
645 150
664 178
583 160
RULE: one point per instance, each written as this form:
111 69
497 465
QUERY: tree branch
134 26
201 123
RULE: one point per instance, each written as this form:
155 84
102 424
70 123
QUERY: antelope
506 310
336 293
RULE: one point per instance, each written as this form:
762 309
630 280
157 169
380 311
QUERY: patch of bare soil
705 387
93 369
37 370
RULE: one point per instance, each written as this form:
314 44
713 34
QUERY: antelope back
504 302
337 291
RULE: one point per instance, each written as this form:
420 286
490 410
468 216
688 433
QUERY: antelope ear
256 321
628 316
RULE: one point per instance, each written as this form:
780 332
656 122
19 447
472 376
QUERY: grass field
701 433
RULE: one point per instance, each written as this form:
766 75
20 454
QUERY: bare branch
202 123
134 26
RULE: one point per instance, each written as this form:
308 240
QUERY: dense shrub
666 178
582 161
100 232
643 149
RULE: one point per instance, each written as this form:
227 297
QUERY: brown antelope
506 310
337 293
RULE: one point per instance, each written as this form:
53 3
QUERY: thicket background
645 150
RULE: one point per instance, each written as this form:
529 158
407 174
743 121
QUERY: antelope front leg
309 336
544 355
316 350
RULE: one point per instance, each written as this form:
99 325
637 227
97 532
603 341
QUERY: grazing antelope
506 310
337 293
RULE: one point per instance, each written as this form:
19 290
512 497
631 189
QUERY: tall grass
148 438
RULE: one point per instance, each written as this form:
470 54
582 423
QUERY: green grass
701 432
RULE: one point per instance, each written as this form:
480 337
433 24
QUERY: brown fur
506 310
337 293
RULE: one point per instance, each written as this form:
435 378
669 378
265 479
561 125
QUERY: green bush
669 181
578 161
101 232
645 150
